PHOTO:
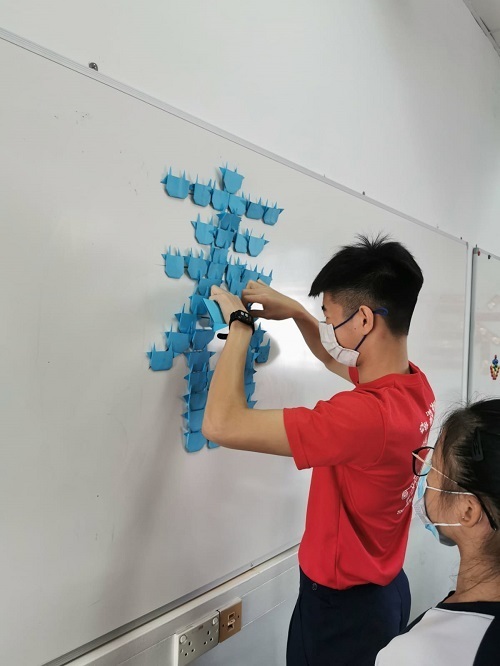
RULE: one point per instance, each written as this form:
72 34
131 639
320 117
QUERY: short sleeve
348 429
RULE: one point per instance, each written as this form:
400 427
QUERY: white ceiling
487 14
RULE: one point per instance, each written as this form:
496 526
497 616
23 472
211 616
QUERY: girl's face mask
329 340
420 510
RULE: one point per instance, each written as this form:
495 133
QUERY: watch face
244 317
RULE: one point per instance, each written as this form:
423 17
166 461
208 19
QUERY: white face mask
329 341
421 511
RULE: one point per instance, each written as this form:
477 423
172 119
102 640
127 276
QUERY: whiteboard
105 517
484 326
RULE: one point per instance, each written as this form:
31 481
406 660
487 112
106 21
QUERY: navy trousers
346 627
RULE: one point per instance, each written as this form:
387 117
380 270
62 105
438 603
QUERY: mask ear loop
358 346
345 321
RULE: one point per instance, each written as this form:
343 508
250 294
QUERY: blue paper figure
204 232
194 419
176 186
202 337
249 390
160 360
236 286
202 194
205 285
256 245
266 278
248 375
197 382
219 255
195 441
197 267
215 313
187 321
198 360
257 337
271 215
197 306
212 445
255 211
237 205
178 342
220 199
250 274
224 238
250 358
196 400
241 242
235 271
231 180
263 355
174 264
216 271
229 221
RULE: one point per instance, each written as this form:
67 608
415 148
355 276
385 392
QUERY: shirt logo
425 426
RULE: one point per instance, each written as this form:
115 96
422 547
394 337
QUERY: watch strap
239 315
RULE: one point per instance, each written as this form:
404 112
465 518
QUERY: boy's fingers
255 284
258 313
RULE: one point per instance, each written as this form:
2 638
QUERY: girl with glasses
458 500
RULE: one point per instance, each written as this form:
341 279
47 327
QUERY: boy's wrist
299 312
240 328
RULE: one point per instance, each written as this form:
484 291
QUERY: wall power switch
229 620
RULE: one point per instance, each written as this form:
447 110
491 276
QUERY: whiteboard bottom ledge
262 589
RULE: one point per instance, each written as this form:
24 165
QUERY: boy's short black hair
377 273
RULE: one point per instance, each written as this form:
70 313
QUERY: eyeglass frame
416 457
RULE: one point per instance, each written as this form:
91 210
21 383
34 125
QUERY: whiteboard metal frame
472 307
151 101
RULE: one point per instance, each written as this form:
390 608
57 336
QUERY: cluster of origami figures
198 324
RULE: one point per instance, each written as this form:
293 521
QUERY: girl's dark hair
469 444
378 273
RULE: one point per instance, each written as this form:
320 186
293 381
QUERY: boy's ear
367 316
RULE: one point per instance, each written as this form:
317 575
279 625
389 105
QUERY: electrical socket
229 620
196 639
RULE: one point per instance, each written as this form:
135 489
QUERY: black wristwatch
244 317
239 315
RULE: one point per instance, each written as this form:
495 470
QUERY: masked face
421 511
329 340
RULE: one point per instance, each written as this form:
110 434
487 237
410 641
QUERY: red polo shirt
359 445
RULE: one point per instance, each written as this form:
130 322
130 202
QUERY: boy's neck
392 360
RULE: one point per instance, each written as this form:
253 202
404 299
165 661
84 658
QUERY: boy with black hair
354 596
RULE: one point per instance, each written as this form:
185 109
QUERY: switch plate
229 620
196 639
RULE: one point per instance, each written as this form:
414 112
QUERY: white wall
397 98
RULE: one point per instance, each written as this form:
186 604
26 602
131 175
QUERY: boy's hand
275 305
227 302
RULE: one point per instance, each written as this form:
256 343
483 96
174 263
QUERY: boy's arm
228 421
278 306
